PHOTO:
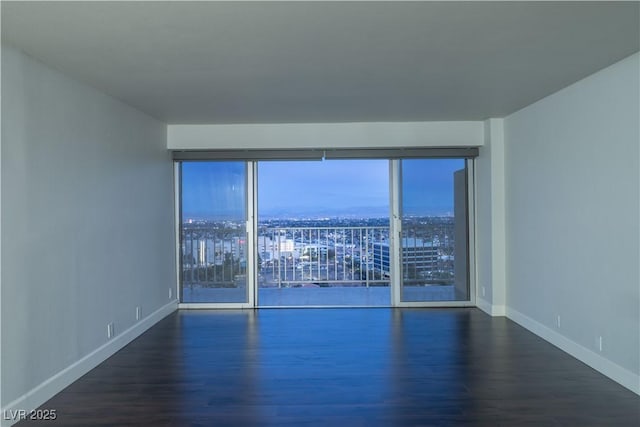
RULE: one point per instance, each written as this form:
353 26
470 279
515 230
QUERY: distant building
204 251
314 252
418 256
271 249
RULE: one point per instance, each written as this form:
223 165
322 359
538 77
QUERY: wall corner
490 219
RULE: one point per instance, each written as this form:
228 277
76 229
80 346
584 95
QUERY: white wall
87 227
325 135
572 219
490 221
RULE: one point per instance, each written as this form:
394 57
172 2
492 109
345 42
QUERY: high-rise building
418 255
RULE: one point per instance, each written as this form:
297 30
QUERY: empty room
366 213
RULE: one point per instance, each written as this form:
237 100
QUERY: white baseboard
601 364
491 310
50 387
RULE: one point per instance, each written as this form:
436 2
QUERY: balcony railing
215 255
320 256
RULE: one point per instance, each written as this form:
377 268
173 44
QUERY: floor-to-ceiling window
213 240
348 232
434 230
319 223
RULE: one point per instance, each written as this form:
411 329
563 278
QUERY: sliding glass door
321 226
433 244
214 251
348 232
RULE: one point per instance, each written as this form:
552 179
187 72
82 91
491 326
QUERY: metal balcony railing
320 256
215 255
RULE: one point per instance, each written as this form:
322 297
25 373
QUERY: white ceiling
286 62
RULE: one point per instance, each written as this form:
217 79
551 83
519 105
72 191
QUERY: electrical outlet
600 343
138 313
170 293
558 321
483 291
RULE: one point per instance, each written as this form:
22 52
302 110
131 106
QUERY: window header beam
328 154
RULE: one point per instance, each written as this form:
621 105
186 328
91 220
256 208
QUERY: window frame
394 155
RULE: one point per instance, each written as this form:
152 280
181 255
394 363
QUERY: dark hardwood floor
342 367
